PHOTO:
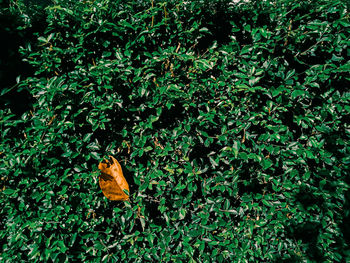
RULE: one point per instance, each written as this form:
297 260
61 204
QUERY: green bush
231 123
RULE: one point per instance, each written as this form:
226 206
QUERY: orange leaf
112 181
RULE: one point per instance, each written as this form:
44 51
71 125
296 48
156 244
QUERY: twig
153 15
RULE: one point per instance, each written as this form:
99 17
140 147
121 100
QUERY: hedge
230 120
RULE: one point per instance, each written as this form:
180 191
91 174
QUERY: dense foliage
230 120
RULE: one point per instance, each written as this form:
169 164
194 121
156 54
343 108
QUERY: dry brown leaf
112 181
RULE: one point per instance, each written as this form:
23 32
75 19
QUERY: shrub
230 120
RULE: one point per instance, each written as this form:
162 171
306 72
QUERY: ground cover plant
230 121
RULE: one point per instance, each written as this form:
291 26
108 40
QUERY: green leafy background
230 120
